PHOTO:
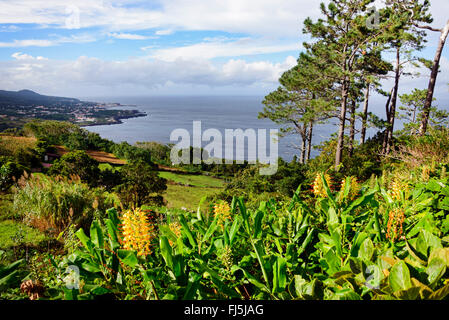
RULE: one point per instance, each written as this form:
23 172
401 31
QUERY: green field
13 233
188 190
193 180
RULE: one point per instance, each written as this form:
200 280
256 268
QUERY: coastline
117 120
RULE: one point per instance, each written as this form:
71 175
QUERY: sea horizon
167 113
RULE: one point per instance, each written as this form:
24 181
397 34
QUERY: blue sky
135 47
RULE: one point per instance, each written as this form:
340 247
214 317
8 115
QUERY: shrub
10 172
140 185
416 151
77 163
52 204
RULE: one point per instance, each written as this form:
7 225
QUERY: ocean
165 114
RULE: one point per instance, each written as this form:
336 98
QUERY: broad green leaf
399 277
414 253
435 270
91 267
346 294
96 234
10 268
442 253
166 252
357 242
244 214
366 250
279 274
85 240
112 232
332 218
307 241
198 211
192 286
113 216
408 294
186 230
8 279
426 242
313 290
300 282
128 257
234 229
210 230
178 267
258 224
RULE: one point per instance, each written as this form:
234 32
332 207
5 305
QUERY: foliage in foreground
376 241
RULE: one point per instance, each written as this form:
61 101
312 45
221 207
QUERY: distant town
15 112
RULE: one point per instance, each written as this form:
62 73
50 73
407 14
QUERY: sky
101 48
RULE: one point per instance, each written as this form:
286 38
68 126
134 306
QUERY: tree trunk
309 141
365 115
352 128
387 110
392 111
341 130
303 150
433 79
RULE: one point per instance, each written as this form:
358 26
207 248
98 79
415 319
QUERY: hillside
31 98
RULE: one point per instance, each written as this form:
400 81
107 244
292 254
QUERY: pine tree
341 38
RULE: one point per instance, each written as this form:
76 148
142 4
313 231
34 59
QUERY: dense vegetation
362 221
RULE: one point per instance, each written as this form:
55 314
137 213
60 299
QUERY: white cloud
214 48
165 32
85 75
280 18
53 41
129 36
27 43
24 56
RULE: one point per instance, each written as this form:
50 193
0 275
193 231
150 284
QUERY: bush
160 153
52 204
77 163
131 153
140 185
10 172
366 160
416 151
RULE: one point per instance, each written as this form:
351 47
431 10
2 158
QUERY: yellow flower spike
318 185
223 211
175 227
396 219
137 231
396 187
354 188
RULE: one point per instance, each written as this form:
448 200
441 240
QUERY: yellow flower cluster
223 211
137 231
318 185
394 227
175 227
396 187
354 187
